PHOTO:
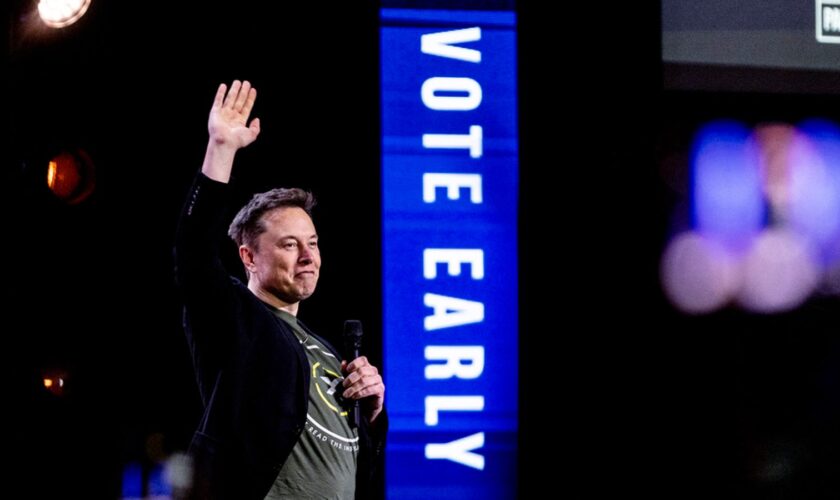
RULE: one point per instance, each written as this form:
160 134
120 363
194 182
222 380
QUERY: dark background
132 86
623 394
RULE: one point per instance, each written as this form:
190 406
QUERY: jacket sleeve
205 286
370 478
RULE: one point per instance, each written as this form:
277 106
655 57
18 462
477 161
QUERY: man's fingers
255 126
249 100
364 371
358 363
369 390
230 100
350 379
363 386
242 96
362 380
220 96
355 377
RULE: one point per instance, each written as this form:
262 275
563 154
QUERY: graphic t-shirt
323 462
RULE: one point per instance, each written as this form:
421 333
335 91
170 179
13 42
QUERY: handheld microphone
352 344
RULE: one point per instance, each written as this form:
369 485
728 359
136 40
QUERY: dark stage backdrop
132 85
651 402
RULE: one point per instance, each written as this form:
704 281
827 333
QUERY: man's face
287 259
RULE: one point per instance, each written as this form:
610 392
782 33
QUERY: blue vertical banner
449 222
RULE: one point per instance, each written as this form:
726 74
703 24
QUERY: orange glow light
51 174
70 176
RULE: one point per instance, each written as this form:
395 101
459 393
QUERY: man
275 423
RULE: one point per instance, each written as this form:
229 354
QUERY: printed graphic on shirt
327 420
331 382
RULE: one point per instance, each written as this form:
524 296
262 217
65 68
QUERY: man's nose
305 256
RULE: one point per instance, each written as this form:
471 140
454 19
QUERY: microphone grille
353 328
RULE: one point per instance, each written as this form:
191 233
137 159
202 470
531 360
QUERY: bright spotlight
61 13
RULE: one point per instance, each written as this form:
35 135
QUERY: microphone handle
355 410
352 344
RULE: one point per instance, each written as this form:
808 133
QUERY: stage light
779 272
54 381
61 13
727 192
50 382
70 176
698 274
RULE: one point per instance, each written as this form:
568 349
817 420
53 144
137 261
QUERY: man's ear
246 254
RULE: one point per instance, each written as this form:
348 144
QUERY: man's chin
295 296
305 293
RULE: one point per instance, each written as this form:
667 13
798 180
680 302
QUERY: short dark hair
248 223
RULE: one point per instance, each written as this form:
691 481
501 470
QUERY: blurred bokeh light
765 227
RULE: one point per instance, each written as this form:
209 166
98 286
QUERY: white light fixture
61 13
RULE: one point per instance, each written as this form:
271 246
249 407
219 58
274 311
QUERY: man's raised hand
228 122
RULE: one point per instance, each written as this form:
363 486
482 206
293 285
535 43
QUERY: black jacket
252 373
